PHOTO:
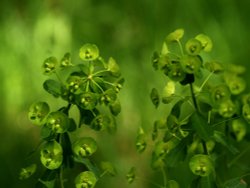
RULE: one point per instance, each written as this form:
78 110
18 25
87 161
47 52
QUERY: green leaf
108 168
72 125
222 139
53 87
85 179
155 98
48 184
235 183
89 164
202 128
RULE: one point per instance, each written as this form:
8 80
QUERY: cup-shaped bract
74 84
113 67
58 122
100 122
193 46
176 72
201 165
38 112
191 64
175 35
66 60
85 179
27 172
220 93
49 65
227 109
84 147
239 128
89 52
205 41
87 100
51 155
236 84
246 112
109 96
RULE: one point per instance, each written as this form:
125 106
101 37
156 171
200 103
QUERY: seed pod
51 155
85 179
58 122
89 52
201 165
38 112
85 147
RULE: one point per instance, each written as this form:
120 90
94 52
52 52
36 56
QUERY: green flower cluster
208 109
92 87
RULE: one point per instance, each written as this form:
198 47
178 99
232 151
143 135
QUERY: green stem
61 168
164 174
61 177
99 72
181 49
97 85
193 96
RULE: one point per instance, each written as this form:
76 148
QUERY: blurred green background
128 30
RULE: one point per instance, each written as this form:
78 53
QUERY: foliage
208 119
92 87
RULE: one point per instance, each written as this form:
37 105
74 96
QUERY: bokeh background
129 31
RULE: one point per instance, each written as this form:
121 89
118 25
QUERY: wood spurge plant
91 87
204 132
200 137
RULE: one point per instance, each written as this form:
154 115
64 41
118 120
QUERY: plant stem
196 107
238 157
164 174
61 177
193 96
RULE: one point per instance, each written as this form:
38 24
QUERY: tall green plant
200 140
90 86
